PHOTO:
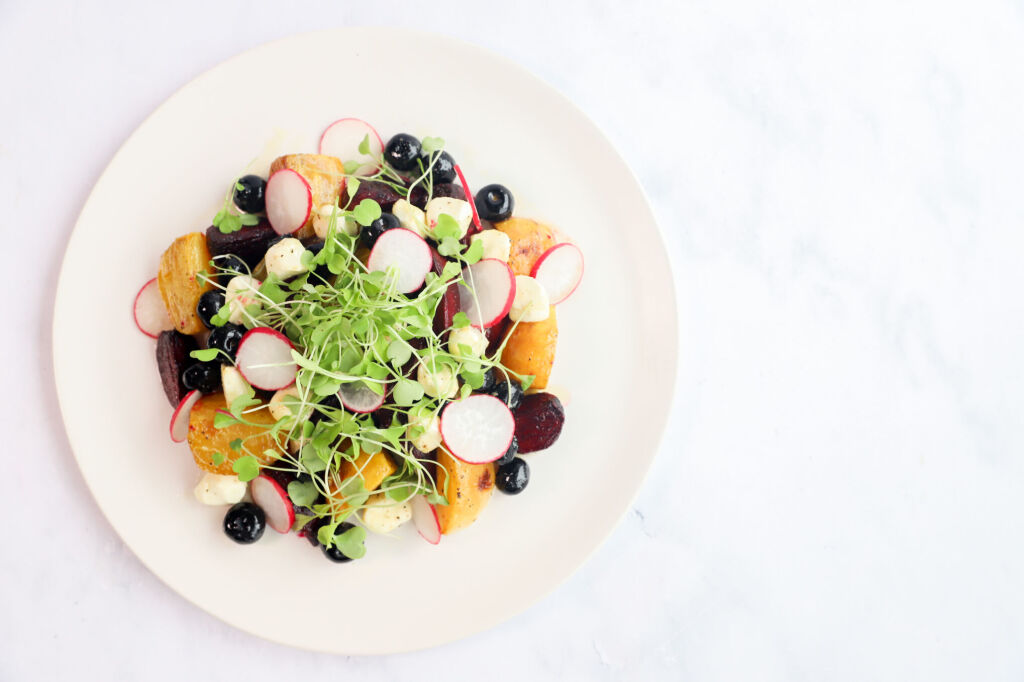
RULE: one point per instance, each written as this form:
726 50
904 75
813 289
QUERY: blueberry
444 167
509 392
209 303
332 552
229 266
369 234
494 203
513 450
512 477
202 376
315 246
490 381
402 151
249 194
226 339
330 401
244 523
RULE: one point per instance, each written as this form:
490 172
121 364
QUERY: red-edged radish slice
559 270
408 253
342 138
149 310
274 501
487 295
357 397
179 420
477 429
289 201
469 198
424 517
265 359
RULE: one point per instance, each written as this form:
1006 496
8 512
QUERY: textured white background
839 494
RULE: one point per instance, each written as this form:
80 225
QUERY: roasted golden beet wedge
531 349
206 440
469 489
179 285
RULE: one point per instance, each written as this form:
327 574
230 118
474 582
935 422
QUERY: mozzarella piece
437 382
241 293
430 439
410 217
284 259
322 222
216 489
531 303
467 336
497 244
458 209
233 384
383 515
286 402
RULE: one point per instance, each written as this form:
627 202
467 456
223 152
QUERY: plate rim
670 301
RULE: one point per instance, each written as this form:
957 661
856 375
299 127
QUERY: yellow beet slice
179 286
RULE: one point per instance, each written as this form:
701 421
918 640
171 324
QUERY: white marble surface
839 495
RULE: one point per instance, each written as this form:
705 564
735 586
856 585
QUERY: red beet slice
172 357
250 243
378 191
539 420
496 335
449 304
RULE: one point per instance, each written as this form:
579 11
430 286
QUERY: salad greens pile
349 327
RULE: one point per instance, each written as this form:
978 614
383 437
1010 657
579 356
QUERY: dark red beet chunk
539 420
496 334
379 192
250 243
418 198
172 357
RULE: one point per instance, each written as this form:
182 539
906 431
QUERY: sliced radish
559 270
487 295
274 501
469 198
179 420
149 310
477 429
289 201
342 138
357 397
407 253
265 359
424 517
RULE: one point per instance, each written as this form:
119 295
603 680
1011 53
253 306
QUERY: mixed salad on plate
358 341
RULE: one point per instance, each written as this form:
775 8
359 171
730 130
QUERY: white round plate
616 352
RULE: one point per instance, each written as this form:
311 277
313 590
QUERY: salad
358 341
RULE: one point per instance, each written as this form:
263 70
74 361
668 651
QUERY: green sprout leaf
222 420
475 252
364 144
449 246
460 320
446 227
303 493
217 458
246 467
236 445
432 144
350 543
205 355
407 393
366 212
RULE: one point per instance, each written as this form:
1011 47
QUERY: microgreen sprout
346 327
